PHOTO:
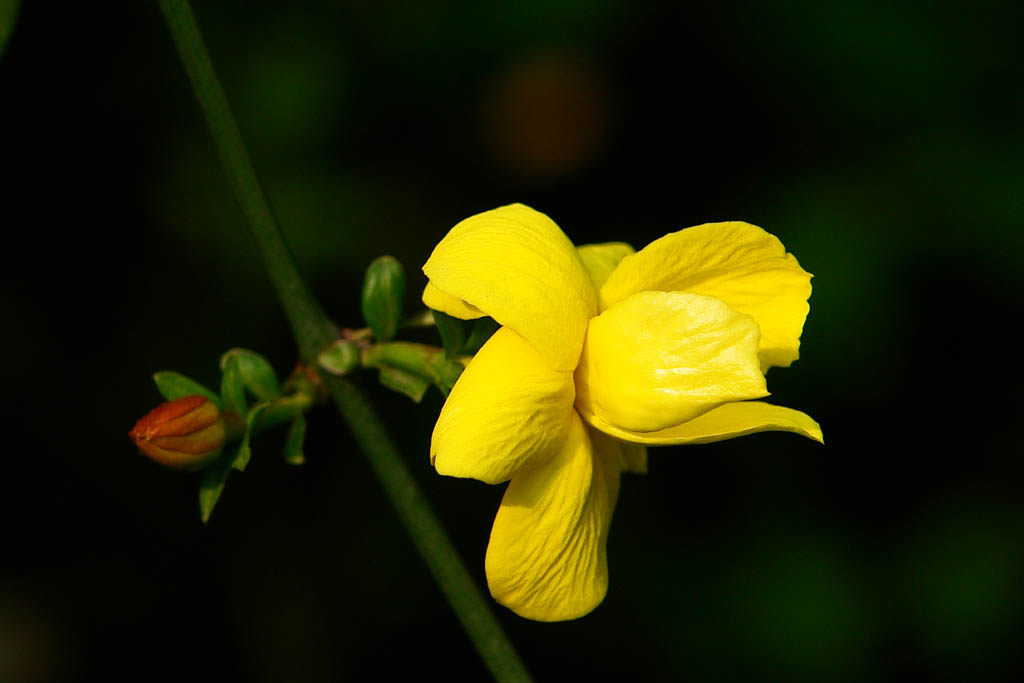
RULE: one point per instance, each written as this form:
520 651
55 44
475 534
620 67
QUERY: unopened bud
184 434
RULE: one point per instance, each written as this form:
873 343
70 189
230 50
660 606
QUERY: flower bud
184 434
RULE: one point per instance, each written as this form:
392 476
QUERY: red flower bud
184 434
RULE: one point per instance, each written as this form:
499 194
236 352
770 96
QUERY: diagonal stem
313 331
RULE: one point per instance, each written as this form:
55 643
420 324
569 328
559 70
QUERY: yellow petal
546 558
439 301
656 359
515 265
507 411
724 422
740 264
599 260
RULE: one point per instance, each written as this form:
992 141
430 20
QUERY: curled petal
508 410
515 265
657 359
736 262
599 260
546 558
724 422
439 301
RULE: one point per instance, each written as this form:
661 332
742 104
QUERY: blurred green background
882 143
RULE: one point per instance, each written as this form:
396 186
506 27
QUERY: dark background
882 144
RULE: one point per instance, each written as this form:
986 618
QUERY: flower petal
599 260
724 422
546 558
657 359
515 265
507 411
740 264
439 301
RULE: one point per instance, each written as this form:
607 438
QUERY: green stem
313 331
311 327
427 533
408 356
8 15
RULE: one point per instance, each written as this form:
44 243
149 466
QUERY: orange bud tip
187 433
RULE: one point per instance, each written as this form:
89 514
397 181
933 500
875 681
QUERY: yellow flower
601 351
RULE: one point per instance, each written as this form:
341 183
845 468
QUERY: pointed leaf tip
174 385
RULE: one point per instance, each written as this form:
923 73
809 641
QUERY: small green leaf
214 478
446 373
339 358
8 15
232 391
383 297
256 372
244 454
244 450
293 454
452 331
404 382
173 385
276 412
483 328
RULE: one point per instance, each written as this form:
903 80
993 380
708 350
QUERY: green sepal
232 390
446 373
483 328
404 382
452 331
383 297
212 485
258 376
293 454
174 385
339 358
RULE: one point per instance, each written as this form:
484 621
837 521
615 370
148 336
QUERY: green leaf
339 358
483 328
293 454
404 382
446 373
276 412
8 15
214 478
383 297
232 391
244 450
173 385
244 454
452 331
257 374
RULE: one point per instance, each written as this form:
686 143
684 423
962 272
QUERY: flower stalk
313 331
